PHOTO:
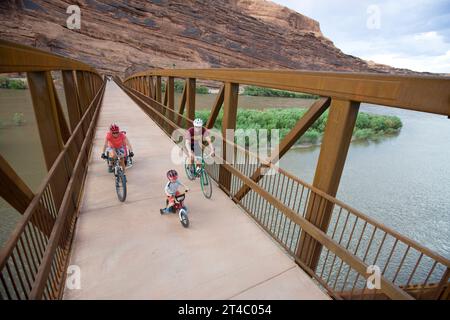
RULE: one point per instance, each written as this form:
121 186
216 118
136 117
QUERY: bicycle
120 178
180 208
193 171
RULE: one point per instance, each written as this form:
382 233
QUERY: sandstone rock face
275 14
125 36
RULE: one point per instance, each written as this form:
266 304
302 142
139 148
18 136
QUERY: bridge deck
129 251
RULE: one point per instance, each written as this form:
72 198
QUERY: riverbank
13 83
368 127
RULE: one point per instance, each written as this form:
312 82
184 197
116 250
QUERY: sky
412 34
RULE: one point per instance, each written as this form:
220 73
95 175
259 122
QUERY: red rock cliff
127 36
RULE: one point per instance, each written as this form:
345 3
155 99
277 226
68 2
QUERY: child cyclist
171 189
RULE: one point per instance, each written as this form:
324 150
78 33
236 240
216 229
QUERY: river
402 181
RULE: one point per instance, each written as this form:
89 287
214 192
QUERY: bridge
265 233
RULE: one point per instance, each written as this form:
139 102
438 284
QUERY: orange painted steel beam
333 153
216 109
420 93
231 92
19 58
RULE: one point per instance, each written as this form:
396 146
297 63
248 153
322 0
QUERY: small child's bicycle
180 208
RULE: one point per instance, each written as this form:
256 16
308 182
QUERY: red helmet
114 128
172 175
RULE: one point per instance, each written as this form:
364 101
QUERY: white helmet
198 122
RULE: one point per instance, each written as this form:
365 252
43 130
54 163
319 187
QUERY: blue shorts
119 151
197 149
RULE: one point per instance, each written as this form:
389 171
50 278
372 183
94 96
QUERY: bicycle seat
180 197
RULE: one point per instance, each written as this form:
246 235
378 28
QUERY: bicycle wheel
121 186
184 218
206 184
189 168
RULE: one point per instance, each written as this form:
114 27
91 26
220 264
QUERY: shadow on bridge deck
129 251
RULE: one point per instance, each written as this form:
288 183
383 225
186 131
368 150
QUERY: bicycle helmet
114 128
172 175
198 122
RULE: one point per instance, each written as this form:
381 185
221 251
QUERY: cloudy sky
413 34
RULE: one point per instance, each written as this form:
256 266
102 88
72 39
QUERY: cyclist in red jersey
195 137
116 143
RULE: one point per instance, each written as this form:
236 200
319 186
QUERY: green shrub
266 92
17 84
394 122
179 85
202 114
202 90
368 126
362 134
310 136
4 83
8 83
363 121
18 118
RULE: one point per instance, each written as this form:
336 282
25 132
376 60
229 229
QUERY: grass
266 92
368 126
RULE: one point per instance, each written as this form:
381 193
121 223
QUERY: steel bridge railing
34 260
279 202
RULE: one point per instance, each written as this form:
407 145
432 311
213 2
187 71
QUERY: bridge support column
70 89
48 120
170 93
84 99
333 152
65 132
228 122
215 109
13 189
151 87
158 89
87 83
91 85
16 192
190 99
182 105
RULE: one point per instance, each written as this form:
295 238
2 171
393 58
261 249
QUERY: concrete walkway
129 251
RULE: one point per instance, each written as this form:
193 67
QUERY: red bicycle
180 208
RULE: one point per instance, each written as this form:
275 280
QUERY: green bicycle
193 171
